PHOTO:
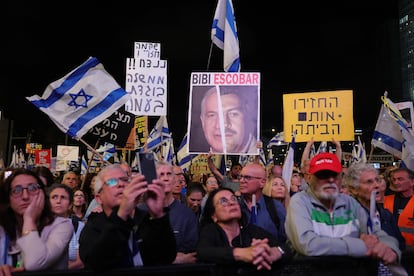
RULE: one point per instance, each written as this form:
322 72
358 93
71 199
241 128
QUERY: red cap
325 161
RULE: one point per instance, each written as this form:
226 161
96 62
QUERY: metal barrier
298 266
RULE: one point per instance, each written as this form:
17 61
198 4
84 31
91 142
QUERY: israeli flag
167 151
81 99
323 147
224 35
358 153
289 163
387 134
84 166
183 157
407 145
159 134
277 140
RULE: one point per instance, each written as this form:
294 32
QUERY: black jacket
103 243
214 247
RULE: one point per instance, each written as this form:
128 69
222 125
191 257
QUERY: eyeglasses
372 181
226 202
248 177
322 175
32 189
114 181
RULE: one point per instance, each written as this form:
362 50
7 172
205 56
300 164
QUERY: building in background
406 23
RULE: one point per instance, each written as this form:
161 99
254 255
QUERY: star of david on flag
81 99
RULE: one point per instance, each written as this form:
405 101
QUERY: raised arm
306 151
213 168
338 148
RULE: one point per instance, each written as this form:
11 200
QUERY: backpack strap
270 206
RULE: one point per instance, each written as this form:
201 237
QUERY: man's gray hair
99 178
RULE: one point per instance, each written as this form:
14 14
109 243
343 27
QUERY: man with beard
322 221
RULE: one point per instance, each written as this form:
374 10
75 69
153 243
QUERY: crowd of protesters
250 218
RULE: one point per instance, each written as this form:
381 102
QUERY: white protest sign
67 153
146 81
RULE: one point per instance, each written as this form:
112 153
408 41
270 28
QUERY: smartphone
146 166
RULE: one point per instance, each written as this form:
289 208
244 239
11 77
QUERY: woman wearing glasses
225 241
35 239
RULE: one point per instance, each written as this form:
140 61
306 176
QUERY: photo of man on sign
224 119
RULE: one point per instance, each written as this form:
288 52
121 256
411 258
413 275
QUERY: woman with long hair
61 199
35 238
276 187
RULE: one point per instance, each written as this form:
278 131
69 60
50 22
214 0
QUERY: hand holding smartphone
146 166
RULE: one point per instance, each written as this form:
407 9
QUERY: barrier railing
320 266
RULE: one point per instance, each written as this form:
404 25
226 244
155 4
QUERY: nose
25 193
121 184
227 121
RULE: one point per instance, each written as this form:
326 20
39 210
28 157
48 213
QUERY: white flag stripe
407 148
183 157
81 99
159 134
289 163
387 134
224 35
277 140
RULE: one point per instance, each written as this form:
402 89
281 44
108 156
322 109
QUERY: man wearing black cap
322 221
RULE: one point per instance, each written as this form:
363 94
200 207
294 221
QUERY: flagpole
209 55
89 164
370 154
95 152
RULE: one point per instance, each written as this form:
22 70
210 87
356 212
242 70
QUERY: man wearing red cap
322 221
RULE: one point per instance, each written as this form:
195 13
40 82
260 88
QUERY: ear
352 190
214 218
262 183
98 198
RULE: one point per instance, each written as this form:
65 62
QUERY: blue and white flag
358 153
277 140
108 150
84 166
262 157
183 157
387 134
253 211
312 151
289 163
407 144
167 151
243 160
159 134
270 157
30 161
81 99
224 35
323 147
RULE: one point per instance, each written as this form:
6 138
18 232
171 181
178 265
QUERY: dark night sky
296 47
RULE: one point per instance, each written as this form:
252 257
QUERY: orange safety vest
405 220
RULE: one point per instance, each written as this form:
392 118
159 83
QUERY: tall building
406 22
